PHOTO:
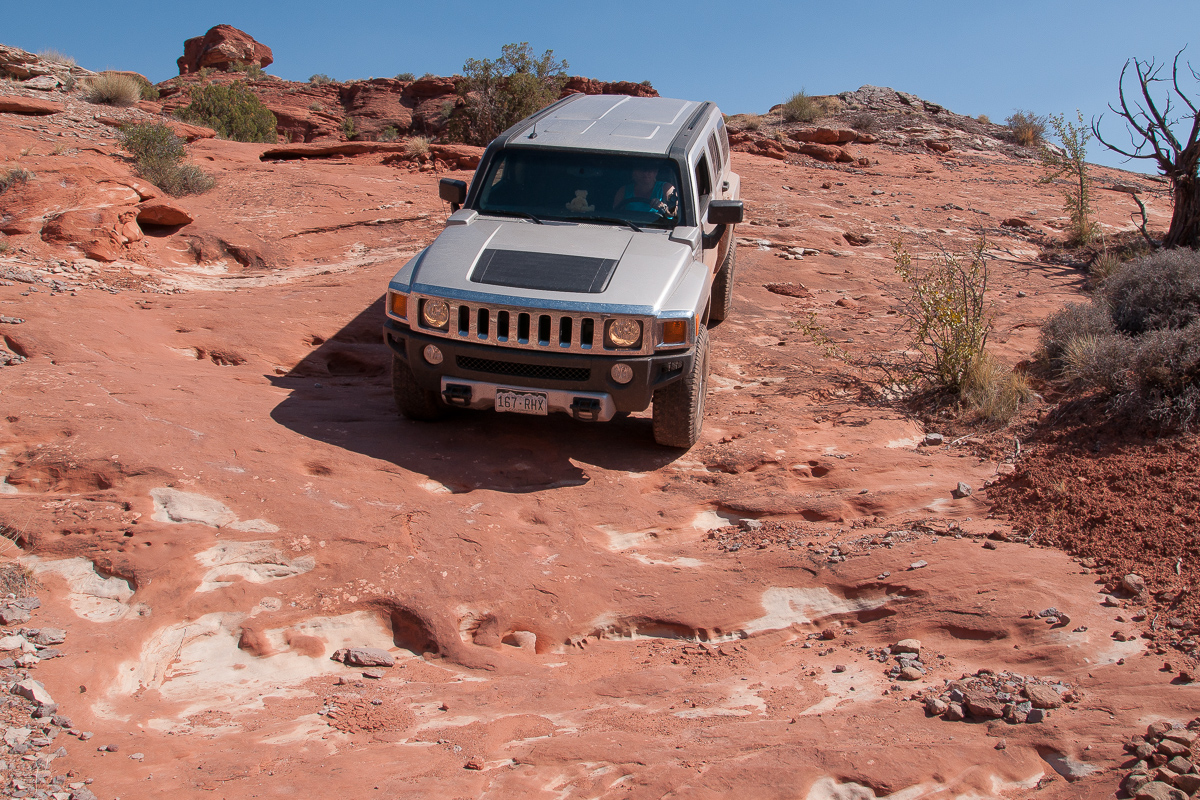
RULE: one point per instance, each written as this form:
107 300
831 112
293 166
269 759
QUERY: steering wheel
649 204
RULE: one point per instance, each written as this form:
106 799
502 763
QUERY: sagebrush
161 158
233 111
1137 342
13 176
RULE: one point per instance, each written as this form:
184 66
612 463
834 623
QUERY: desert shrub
233 111
417 147
800 108
984 118
389 134
1026 128
4 245
646 84
1073 321
864 121
1137 341
13 176
496 94
427 75
406 76
315 106
1071 163
55 57
1104 266
945 309
160 157
348 129
113 89
1159 291
994 390
320 79
252 70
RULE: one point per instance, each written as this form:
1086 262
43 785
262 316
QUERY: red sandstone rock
101 233
184 130
938 145
161 212
222 46
825 152
824 135
15 104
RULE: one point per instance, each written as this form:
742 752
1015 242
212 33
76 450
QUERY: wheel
722 288
412 400
679 406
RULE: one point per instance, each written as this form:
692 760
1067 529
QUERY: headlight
435 314
624 332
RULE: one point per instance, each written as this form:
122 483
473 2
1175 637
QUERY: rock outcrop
221 48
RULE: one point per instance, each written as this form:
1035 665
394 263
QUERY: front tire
412 400
679 407
722 288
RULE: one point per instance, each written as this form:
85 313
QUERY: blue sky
972 57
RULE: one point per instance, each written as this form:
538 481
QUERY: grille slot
550 373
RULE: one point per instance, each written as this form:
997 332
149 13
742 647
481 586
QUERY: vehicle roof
607 122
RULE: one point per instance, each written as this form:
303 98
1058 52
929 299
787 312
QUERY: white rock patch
172 505
256 562
92 596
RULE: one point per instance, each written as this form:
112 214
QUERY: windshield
583 186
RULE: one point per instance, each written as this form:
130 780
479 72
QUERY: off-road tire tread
413 401
722 288
678 413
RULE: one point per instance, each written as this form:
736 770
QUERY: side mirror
453 192
725 212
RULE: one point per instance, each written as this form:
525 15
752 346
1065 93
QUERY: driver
646 193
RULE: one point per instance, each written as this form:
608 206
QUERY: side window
714 156
703 178
723 141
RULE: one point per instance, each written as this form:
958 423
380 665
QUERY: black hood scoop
549 272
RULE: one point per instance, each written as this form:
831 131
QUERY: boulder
364 657
49 636
826 152
160 212
984 706
13 616
101 233
824 135
220 48
33 106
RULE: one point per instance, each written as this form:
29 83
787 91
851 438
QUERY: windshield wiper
610 220
522 214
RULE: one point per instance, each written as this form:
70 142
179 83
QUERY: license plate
522 402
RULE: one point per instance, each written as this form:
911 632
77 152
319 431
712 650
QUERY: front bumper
577 384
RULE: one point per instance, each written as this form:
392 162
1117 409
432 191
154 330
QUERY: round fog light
432 354
621 373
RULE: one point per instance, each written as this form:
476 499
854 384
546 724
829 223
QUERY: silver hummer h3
580 272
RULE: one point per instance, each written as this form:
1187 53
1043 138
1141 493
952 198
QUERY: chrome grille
547 331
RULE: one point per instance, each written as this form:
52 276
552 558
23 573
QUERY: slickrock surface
204 470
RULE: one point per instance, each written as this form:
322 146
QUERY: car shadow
341 394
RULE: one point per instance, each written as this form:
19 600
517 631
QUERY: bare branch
1175 80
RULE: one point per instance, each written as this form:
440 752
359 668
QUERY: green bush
348 129
13 176
113 89
160 157
1026 128
497 94
233 111
389 134
800 108
406 76
1072 164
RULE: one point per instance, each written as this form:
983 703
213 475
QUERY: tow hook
456 394
587 408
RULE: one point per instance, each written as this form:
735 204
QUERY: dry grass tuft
113 89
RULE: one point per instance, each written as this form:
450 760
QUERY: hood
552 265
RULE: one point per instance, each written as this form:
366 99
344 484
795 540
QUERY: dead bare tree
1152 126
